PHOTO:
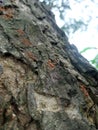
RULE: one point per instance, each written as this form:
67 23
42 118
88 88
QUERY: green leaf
87 48
95 61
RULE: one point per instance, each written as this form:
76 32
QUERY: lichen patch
46 103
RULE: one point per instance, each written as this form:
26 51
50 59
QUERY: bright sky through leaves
87 11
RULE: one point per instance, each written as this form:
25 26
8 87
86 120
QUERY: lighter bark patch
46 103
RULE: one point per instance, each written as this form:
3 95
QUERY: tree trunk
45 84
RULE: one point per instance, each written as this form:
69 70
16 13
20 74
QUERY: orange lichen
8 16
26 41
1 8
50 64
7 12
83 89
31 56
20 32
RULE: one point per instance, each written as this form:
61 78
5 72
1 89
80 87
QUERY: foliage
94 61
86 49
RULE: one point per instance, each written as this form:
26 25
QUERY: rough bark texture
45 84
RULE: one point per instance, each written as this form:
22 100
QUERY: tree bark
45 84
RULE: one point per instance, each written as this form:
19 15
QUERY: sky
85 10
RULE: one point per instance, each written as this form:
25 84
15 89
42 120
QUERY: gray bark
45 84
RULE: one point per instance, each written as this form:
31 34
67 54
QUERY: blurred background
79 20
